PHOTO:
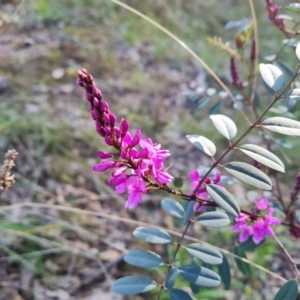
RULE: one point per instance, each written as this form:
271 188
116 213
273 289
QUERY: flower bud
104 106
124 127
106 118
103 155
108 141
117 132
112 119
88 96
96 102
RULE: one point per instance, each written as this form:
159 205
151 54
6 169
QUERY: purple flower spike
138 162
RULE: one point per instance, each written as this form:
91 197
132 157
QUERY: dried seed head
6 178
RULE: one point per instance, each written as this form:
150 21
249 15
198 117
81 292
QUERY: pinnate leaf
224 125
249 175
173 208
263 156
143 259
205 253
289 291
203 144
282 125
213 219
134 284
199 275
272 76
223 198
152 235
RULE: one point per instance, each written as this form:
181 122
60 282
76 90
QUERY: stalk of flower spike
273 11
140 160
253 50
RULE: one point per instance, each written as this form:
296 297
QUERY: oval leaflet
143 259
152 235
203 144
134 284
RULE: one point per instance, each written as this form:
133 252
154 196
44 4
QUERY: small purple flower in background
236 80
273 11
138 161
201 192
256 225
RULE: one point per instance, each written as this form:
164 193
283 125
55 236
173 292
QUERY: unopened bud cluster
273 11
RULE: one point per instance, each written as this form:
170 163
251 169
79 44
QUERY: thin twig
254 21
287 255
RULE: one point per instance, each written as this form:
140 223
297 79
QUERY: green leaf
224 125
249 175
215 108
178 182
173 208
272 76
220 196
177 294
256 100
199 275
298 49
189 209
143 259
284 68
203 144
134 284
205 253
289 291
213 219
282 125
242 266
284 17
295 5
152 235
224 272
202 103
249 245
172 276
263 156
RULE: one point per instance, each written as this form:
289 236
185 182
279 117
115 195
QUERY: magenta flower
262 204
201 192
260 227
139 160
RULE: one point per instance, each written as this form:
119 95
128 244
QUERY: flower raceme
138 160
260 227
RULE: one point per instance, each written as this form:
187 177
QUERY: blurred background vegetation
147 78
